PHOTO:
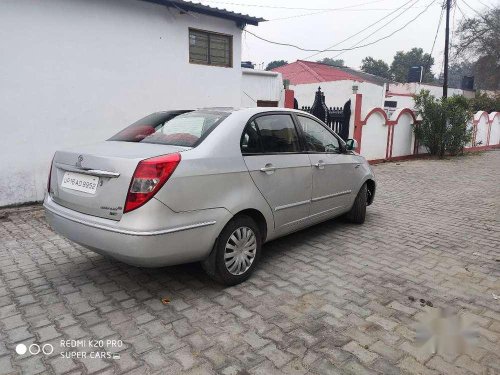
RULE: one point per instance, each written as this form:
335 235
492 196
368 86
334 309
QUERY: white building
261 88
77 71
400 95
339 84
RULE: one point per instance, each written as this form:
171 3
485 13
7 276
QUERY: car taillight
50 176
149 176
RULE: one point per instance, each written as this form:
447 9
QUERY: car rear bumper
178 244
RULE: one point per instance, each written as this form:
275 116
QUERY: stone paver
333 299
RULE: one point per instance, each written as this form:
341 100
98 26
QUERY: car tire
357 214
236 252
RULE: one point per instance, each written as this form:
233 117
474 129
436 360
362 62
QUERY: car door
332 170
279 167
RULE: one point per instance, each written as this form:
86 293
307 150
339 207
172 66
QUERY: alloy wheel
240 251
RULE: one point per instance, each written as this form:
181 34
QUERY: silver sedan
209 185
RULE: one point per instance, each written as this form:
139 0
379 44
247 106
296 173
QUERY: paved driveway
336 298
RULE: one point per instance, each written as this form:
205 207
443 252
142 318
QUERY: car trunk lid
95 179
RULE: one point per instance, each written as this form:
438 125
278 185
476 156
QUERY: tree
479 41
276 64
403 61
487 73
330 61
443 127
484 102
376 67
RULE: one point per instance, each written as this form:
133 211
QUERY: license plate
80 182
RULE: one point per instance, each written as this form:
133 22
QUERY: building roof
188 6
301 72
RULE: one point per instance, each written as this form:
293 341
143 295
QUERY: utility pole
446 49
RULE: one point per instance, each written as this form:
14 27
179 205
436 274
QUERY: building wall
374 137
381 137
261 85
495 128
482 129
403 139
77 71
402 93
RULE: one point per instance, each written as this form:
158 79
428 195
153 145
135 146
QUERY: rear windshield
177 128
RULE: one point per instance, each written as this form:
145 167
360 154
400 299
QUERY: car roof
243 111
250 111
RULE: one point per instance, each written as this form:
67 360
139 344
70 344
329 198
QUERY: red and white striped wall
485 130
383 138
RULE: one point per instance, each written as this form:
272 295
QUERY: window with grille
209 48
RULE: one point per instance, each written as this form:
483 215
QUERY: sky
320 24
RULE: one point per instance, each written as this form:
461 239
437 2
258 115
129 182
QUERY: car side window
250 142
278 133
318 138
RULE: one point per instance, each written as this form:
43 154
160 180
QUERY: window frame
208 33
342 146
249 124
302 148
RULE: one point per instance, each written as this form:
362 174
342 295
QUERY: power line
279 43
471 8
315 13
292 8
343 49
350 8
428 64
485 19
435 36
244 92
480 15
384 25
484 5
460 9
359 32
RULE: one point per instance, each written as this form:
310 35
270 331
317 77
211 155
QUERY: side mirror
351 144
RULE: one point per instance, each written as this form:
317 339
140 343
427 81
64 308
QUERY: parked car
209 185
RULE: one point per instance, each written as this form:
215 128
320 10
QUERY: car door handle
357 166
268 169
320 164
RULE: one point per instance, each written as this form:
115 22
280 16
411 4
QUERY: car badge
79 162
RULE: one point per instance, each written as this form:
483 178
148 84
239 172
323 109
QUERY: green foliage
444 123
330 61
484 102
376 67
458 114
403 61
431 130
276 64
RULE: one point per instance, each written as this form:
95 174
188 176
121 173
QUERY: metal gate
337 118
